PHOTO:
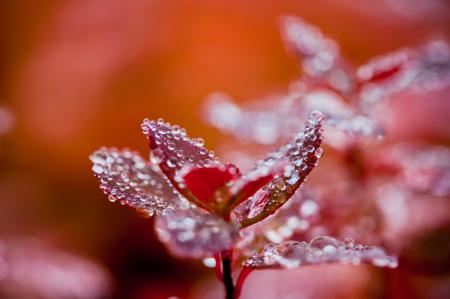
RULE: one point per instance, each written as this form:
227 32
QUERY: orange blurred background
80 74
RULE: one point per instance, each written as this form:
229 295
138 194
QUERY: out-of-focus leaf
321 250
195 233
33 270
296 216
415 70
318 52
126 177
383 67
320 55
262 121
273 121
423 169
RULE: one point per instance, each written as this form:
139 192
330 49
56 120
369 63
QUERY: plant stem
227 259
240 281
218 267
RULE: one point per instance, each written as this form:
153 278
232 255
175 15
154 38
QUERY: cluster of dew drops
177 142
126 177
300 163
292 254
298 156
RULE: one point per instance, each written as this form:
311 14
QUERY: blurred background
79 74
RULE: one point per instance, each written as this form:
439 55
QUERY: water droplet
199 142
171 146
97 169
322 242
112 198
144 212
209 262
172 163
315 117
298 162
293 179
154 158
319 152
310 148
309 208
349 243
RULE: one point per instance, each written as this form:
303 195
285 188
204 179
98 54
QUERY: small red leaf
126 177
248 189
174 152
384 67
319 53
297 159
251 187
204 182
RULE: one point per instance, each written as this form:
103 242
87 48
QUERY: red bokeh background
77 75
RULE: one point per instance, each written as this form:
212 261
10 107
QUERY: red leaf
320 53
247 188
384 67
204 182
194 233
126 177
251 187
321 250
175 154
297 159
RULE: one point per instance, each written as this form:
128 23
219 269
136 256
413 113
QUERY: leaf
321 250
420 168
129 179
413 70
261 121
205 182
384 67
177 154
274 121
322 63
32 269
319 52
247 187
296 216
296 159
194 233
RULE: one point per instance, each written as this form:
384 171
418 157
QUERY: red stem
218 267
241 279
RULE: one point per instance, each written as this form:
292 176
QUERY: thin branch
241 279
227 257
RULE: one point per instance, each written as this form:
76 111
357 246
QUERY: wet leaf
420 168
32 269
177 154
321 250
318 52
384 67
320 56
195 233
414 70
126 177
204 183
273 121
296 160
